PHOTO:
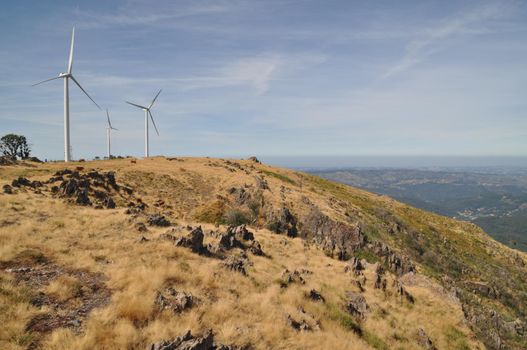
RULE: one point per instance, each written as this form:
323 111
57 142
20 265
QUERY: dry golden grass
240 309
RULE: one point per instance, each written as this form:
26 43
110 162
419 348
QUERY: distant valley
493 198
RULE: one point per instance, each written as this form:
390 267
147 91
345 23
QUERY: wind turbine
66 76
108 130
147 112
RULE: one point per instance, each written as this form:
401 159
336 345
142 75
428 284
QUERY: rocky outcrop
296 276
424 340
190 342
282 221
238 263
354 265
399 264
356 305
337 239
88 189
491 326
481 288
194 241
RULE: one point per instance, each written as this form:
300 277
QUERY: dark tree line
15 146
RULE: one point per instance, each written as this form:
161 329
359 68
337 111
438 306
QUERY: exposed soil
37 272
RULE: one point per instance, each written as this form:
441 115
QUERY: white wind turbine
66 76
109 128
147 112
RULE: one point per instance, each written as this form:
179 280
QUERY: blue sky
271 77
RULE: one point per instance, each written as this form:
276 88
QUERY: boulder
194 240
283 221
356 305
237 263
174 300
254 159
157 220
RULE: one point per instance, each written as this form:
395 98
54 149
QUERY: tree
15 146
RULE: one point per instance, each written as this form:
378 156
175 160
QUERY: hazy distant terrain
493 198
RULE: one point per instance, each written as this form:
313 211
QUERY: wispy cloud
139 13
255 72
469 23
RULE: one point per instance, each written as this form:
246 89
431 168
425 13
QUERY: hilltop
124 254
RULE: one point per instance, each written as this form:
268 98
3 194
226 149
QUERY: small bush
235 217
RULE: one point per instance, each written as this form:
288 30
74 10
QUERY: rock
282 222
21 181
380 282
261 183
301 326
190 342
356 305
241 196
194 241
241 232
297 276
109 203
396 263
256 248
237 263
254 159
359 285
157 220
481 288
337 239
174 300
82 197
424 340
140 226
402 292
315 295
229 241
7 189
143 239
354 265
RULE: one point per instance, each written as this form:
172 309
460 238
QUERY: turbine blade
154 100
46 81
154 123
70 62
108 117
114 128
79 85
136 105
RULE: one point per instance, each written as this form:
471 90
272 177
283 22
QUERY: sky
270 78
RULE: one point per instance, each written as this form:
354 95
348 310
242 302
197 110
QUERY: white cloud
469 23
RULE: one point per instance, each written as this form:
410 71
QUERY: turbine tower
109 128
147 112
66 76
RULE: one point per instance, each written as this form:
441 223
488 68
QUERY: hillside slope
128 254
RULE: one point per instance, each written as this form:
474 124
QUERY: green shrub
235 217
